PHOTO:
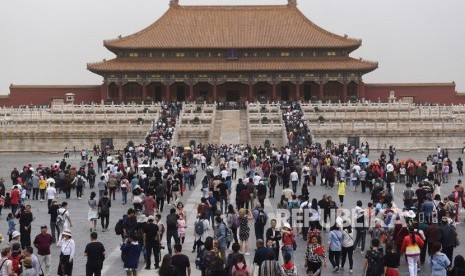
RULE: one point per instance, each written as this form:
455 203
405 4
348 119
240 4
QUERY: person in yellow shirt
42 188
341 191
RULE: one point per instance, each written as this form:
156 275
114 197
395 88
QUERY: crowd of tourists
421 224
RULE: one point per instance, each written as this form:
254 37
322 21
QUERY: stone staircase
230 127
244 134
216 136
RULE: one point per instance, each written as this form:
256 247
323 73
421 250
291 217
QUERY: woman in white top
314 215
65 266
92 214
347 247
6 266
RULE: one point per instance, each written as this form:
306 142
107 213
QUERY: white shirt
67 247
224 173
51 192
256 179
294 176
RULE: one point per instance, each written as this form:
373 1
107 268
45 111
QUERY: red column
120 92
250 93
361 90
344 92
168 94
144 92
320 92
191 92
273 92
214 93
297 91
104 92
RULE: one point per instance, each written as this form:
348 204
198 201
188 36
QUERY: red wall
42 94
441 93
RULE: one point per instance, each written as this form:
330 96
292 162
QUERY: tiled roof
224 65
226 27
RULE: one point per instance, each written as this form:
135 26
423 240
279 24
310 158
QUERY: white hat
390 167
67 232
287 225
410 214
15 234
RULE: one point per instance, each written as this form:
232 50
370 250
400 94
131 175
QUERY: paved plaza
113 265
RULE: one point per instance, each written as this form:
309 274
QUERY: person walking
439 261
68 247
411 247
347 248
63 218
43 242
51 192
42 188
131 252
92 214
171 229
151 238
335 246
180 261
95 253
260 219
104 206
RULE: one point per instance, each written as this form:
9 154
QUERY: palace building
235 53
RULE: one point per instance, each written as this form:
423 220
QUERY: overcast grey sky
50 41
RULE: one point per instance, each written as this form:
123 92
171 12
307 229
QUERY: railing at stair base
212 126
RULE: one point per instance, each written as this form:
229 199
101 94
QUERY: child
11 226
181 228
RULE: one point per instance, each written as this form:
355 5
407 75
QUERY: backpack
375 263
261 218
240 271
229 233
171 221
80 182
199 227
119 227
17 264
175 186
61 218
289 272
408 194
104 209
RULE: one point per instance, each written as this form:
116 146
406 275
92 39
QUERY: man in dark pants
104 210
95 253
447 237
171 229
151 242
160 196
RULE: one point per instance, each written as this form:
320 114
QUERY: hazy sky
50 41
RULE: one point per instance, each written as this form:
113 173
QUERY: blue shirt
335 240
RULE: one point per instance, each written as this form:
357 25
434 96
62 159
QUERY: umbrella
364 160
187 148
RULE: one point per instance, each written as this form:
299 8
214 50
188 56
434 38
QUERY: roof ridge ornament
292 3
174 3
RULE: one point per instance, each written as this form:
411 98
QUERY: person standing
63 217
131 251
14 202
102 186
53 211
6 264
35 187
25 222
95 253
260 218
51 192
104 205
42 188
180 261
448 238
43 242
151 238
65 266
92 214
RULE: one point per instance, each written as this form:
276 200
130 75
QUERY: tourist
102 186
51 191
63 218
131 252
151 241
373 264
335 240
180 262
288 267
315 257
260 253
288 239
274 235
233 221
35 264
391 260
112 185
200 231
166 268
25 220
212 261
6 268
439 261
35 186
15 199
42 188
104 206
458 268
182 225
341 191
260 218
16 258
43 242
11 226
92 214
411 247
149 204
239 265
95 253
244 229
53 211
270 267
65 265
347 248
171 229
447 236
124 187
